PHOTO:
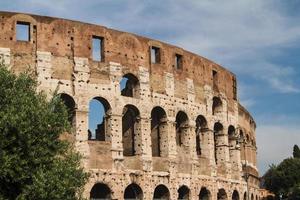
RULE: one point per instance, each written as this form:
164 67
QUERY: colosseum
170 126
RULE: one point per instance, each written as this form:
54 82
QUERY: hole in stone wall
204 194
183 193
217 105
235 195
23 31
155 54
70 105
201 126
130 86
133 191
158 131
99 117
218 132
161 192
178 61
181 127
100 191
221 194
130 130
98 48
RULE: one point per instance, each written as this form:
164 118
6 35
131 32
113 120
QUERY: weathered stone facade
173 132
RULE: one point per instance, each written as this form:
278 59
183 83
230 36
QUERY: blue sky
257 40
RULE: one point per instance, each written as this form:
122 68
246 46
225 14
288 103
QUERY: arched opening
99 119
232 140
204 194
222 195
70 105
245 196
235 195
201 128
130 86
100 191
161 192
183 193
217 105
252 197
130 131
159 134
242 137
256 197
218 143
133 191
181 128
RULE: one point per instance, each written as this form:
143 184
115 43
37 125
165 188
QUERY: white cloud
275 143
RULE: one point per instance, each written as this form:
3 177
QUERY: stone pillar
145 143
116 141
192 140
172 138
207 147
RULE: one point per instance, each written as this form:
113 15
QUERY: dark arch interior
100 191
201 125
133 191
129 85
231 131
221 195
217 105
129 121
235 195
158 115
161 192
184 193
204 194
70 105
99 107
181 125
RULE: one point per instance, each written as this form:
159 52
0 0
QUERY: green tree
284 179
296 151
34 162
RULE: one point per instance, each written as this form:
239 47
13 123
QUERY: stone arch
217 105
184 193
182 124
99 119
70 105
201 136
204 194
100 191
252 197
161 192
130 86
131 131
222 195
235 195
159 132
245 196
218 142
133 191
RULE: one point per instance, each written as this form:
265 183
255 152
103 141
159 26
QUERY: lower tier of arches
105 185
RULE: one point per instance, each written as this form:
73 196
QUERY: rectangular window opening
178 61
155 55
23 31
97 48
234 88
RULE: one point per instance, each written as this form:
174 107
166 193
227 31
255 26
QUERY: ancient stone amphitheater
171 125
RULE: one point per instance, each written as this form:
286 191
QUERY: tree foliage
296 151
284 179
34 162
